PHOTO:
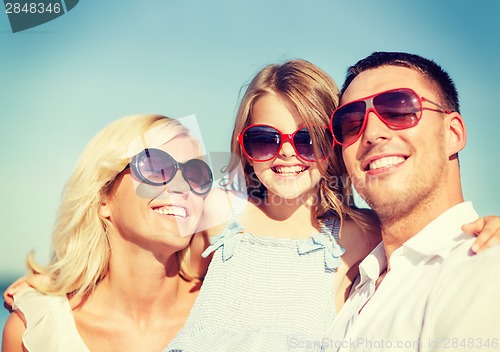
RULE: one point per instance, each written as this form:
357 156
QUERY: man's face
397 170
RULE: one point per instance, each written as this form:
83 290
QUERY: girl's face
286 175
168 214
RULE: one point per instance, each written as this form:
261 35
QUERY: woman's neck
139 285
140 304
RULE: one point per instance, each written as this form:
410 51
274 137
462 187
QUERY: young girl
283 265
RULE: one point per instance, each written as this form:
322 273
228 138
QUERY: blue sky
65 80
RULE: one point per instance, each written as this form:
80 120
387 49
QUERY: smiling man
400 130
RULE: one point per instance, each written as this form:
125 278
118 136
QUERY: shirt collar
439 237
371 267
444 233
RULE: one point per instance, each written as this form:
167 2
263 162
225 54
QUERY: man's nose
375 129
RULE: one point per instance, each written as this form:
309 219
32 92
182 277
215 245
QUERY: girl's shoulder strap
331 227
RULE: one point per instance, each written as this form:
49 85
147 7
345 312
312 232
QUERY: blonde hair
81 250
315 95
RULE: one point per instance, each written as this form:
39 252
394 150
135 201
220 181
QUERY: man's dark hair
446 90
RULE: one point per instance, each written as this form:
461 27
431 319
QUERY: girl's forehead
275 110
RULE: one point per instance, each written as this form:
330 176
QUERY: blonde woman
126 217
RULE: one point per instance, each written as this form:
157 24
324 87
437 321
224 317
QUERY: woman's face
146 214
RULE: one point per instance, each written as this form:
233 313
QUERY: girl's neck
280 209
280 218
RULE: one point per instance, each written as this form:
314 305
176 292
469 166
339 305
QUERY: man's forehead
380 79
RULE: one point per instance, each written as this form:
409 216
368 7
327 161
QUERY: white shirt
50 322
437 295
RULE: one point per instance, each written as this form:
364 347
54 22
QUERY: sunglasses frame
135 168
284 137
370 107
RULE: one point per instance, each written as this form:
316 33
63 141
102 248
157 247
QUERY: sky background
63 81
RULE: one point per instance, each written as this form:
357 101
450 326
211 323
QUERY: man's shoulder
474 265
463 256
464 301
490 254
464 271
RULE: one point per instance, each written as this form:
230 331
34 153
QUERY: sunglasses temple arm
443 109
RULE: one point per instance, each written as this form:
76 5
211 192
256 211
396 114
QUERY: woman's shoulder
39 309
31 301
13 332
48 320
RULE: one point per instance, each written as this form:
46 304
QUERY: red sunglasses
398 108
263 142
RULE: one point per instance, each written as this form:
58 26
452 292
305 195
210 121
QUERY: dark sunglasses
156 167
262 142
397 108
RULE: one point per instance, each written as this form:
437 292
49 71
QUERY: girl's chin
289 197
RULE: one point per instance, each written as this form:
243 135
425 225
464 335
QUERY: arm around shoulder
12 340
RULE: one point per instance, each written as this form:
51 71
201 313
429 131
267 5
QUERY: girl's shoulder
358 240
220 208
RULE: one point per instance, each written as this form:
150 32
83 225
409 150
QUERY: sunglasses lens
198 175
303 144
399 109
154 166
347 122
261 142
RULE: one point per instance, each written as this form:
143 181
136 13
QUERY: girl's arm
487 230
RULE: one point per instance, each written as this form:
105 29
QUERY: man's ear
457 134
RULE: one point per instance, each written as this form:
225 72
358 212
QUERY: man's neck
397 230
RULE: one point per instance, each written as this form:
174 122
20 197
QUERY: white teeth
171 210
289 170
386 162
